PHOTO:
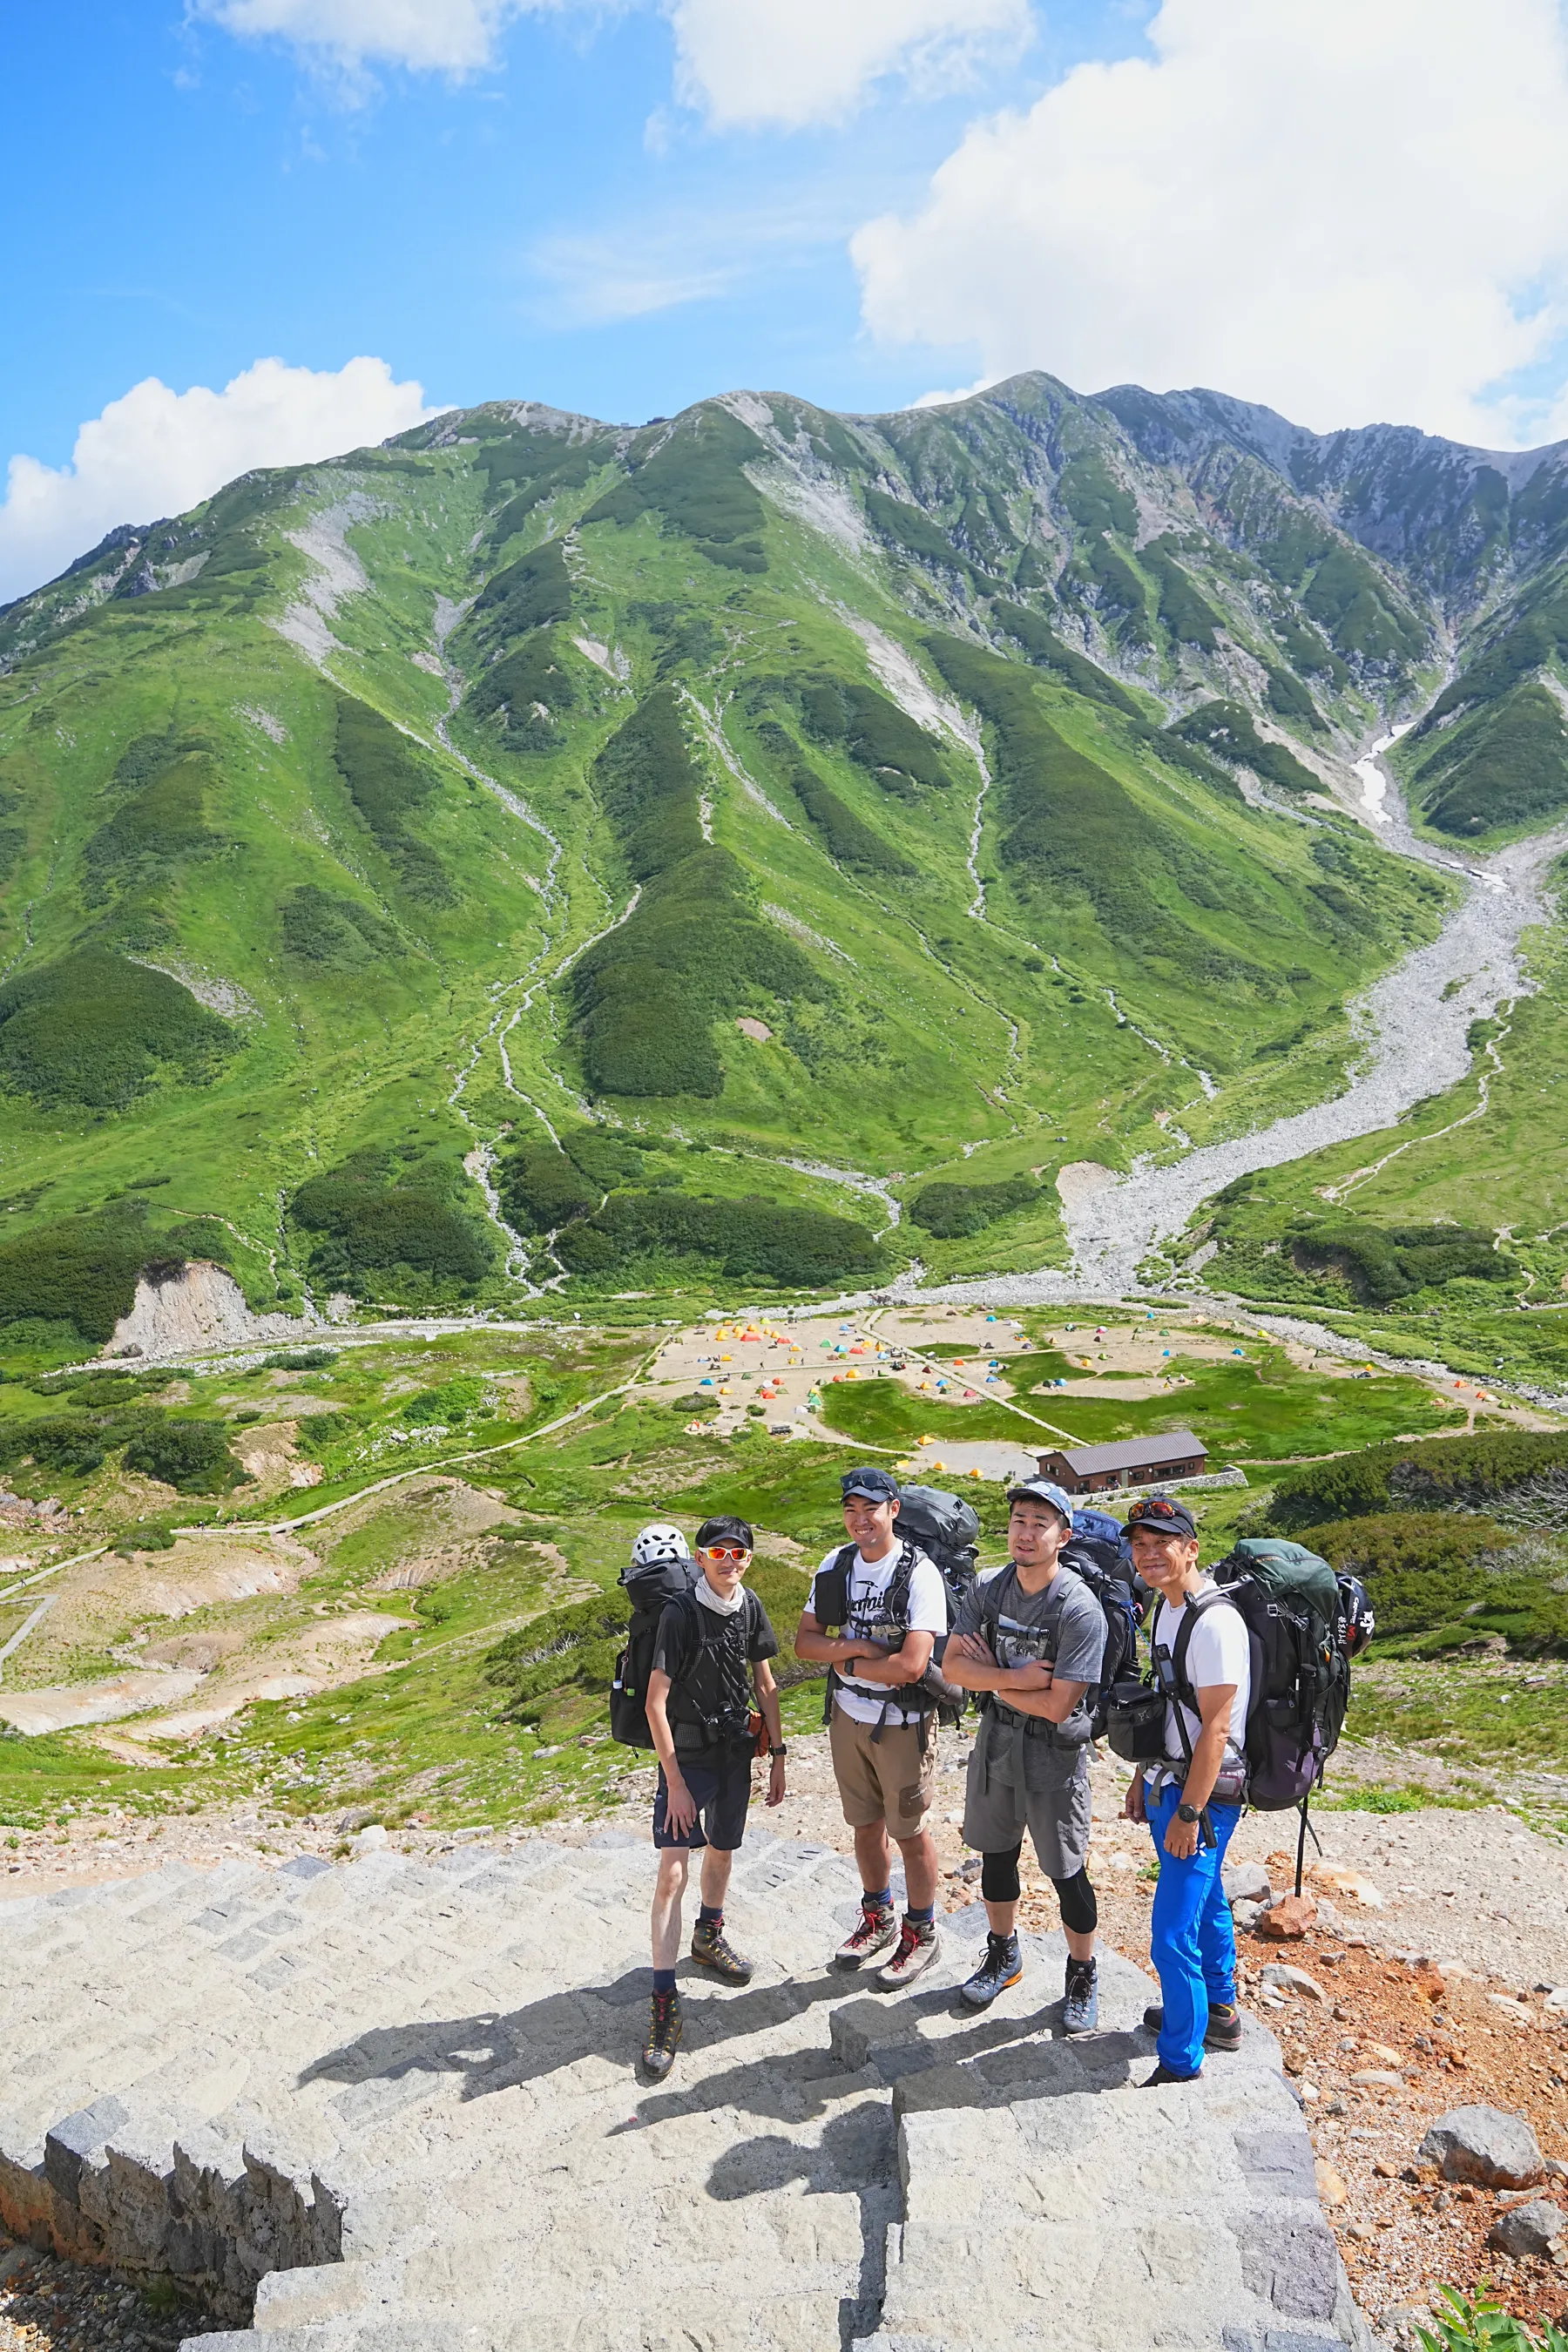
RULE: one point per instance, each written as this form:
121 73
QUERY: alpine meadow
764 847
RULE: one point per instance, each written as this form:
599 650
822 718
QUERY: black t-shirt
708 1660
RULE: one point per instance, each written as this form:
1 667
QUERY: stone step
392 2104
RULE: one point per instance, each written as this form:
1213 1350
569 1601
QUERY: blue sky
622 207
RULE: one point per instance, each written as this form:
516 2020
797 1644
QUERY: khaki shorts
889 1781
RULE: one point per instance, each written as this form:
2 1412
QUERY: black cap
726 1530
1163 1514
876 1485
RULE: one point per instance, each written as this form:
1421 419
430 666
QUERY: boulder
1486 2145
1289 1979
1288 1918
1246 1882
1532 2228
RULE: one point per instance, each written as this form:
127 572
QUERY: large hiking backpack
650 1591
1291 1604
934 1693
947 1531
1101 1566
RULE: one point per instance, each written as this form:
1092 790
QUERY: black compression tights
999 1884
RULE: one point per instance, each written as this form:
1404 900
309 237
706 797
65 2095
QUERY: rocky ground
1439 1935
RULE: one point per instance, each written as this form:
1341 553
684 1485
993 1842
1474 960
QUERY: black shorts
722 1787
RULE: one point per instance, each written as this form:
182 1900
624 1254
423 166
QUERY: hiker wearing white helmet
706 1653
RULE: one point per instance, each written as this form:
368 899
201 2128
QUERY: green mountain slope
540 853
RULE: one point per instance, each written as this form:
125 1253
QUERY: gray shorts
995 1817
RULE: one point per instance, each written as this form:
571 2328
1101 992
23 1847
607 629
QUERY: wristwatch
1187 1812
782 1750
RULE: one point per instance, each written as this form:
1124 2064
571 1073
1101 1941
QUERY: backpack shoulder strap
903 1580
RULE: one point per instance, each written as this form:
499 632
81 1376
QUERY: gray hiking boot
918 1947
1081 2010
1002 1965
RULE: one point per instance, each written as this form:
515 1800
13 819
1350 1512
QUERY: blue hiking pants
1191 1937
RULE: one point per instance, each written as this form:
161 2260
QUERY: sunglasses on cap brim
1159 1516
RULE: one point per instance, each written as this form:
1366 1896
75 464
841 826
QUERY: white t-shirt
1218 1652
868 1582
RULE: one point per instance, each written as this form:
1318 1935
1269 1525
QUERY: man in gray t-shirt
1031 1640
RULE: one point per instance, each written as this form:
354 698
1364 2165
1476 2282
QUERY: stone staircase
391 2106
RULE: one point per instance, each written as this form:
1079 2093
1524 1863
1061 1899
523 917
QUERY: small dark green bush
56 1442
526 689
878 736
802 1247
911 528
850 841
1047 650
1505 765
192 1455
299 1360
1094 498
83 1268
1191 620
1225 730
693 473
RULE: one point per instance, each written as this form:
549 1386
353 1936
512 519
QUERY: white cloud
787 63
1354 210
453 36
156 452
782 64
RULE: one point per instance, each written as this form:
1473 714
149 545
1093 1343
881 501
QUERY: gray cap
1041 1490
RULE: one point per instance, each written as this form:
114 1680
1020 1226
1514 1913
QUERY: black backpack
947 1531
1108 1576
934 1693
650 1591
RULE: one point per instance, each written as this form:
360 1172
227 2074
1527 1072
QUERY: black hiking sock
708 1915
664 1979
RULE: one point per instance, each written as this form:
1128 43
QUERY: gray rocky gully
391 2105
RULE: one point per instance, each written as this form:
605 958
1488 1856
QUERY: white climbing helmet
659 1545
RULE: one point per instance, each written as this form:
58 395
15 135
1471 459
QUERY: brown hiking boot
712 1949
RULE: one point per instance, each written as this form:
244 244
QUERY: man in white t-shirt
1193 1800
889 1605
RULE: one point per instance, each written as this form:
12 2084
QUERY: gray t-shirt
1065 1624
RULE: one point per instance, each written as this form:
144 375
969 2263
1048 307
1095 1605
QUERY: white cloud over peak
778 64
156 452
1354 210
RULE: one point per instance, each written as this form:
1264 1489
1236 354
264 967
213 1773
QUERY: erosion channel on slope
1413 1027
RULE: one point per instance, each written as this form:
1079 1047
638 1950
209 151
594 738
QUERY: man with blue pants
1193 1800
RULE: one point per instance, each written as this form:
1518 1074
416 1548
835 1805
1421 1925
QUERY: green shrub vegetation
527 689
953 1212
452 1401
1505 765
1189 617
878 736
83 1269
1441 1579
322 928
693 475
162 822
912 529
1383 1263
528 595
389 781
645 996
1048 652
96 1030
1290 699
382 1217
192 1455
1094 498
1226 730
850 841
1483 1471
1118 589
749 1238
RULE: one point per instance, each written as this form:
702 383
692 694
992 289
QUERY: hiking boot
1080 2011
1002 1964
872 1933
664 2031
712 1949
1162 2075
1222 2033
918 1947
